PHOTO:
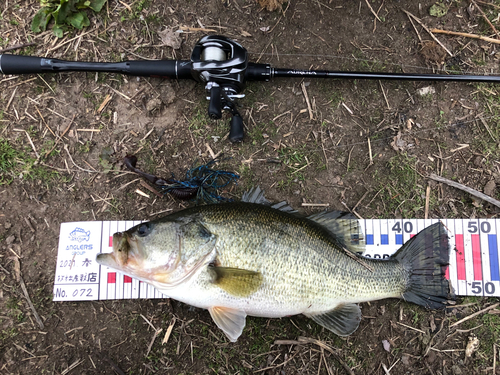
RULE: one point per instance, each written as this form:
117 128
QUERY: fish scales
297 257
239 259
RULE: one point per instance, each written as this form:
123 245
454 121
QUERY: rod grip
17 64
160 68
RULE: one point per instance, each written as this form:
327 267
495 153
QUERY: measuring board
473 271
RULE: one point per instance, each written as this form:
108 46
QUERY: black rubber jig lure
202 182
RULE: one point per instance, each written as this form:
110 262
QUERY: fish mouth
118 259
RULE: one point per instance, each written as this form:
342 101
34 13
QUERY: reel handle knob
236 133
215 105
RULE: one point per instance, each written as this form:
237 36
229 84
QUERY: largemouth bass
247 258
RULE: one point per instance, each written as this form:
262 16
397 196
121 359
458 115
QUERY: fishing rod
221 64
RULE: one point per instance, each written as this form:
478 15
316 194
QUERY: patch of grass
17 163
296 160
14 310
85 148
8 156
399 190
199 122
488 142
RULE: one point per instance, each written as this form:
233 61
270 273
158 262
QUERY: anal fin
343 320
230 321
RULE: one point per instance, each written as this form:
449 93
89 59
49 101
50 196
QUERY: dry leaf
271 4
399 144
472 346
170 38
489 188
432 323
387 345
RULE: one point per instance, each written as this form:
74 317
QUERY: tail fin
425 258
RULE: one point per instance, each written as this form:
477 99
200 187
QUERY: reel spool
220 63
213 53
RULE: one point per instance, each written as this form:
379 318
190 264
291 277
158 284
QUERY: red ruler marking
476 257
110 241
111 277
459 243
127 279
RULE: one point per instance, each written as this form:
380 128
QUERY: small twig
371 10
10 100
385 97
359 202
151 189
24 350
32 145
487 128
141 193
169 331
489 4
427 200
315 204
494 359
475 314
327 348
466 35
17 46
153 340
72 366
410 327
33 310
485 18
57 138
304 91
80 168
147 321
467 189
429 31
416 30
370 152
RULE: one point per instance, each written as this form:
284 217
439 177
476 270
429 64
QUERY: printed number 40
407 227
489 288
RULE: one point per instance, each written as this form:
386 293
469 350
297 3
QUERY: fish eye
143 230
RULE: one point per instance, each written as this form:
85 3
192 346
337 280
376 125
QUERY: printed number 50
489 288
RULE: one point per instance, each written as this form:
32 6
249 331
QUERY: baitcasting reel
220 64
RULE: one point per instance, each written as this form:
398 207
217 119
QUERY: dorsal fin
344 227
256 195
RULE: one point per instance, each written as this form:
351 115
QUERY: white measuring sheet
473 271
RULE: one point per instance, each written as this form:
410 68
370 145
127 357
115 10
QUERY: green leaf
78 20
58 31
63 11
41 20
96 5
438 10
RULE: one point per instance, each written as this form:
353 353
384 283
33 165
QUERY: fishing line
357 59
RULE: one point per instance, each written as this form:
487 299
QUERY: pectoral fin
238 282
342 321
230 321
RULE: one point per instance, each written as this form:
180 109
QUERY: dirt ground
366 146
